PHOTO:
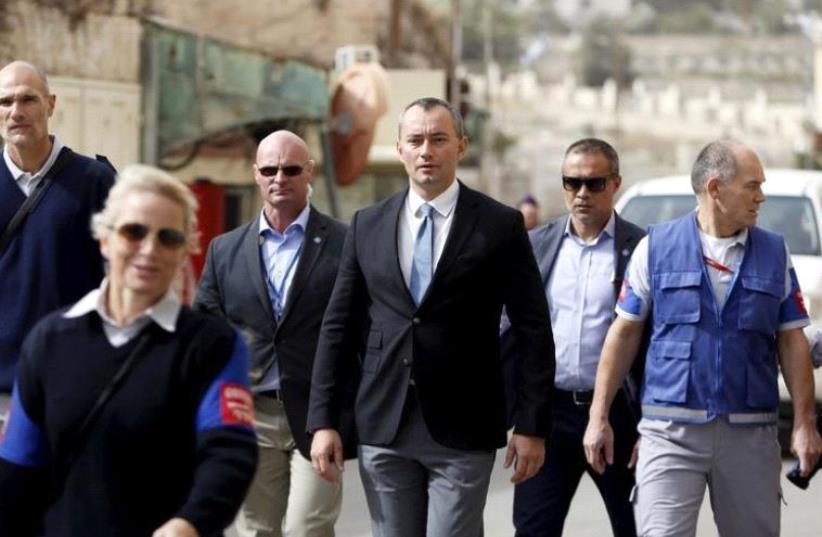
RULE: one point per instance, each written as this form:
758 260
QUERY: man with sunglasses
272 278
726 313
425 274
582 257
48 258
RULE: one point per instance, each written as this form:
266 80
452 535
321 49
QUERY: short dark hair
589 146
427 103
717 159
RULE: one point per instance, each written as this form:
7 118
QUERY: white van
793 209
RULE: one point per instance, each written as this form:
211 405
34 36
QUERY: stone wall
101 44
309 30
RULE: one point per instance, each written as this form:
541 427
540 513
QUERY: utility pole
488 160
487 50
456 52
394 33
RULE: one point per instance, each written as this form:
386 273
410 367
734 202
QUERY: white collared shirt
279 250
164 313
280 253
581 299
411 219
27 181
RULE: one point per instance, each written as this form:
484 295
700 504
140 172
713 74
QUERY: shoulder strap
105 396
16 222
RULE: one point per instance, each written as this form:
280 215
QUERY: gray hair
717 159
39 71
142 178
427 103
589 146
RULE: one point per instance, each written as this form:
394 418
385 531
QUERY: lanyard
717 265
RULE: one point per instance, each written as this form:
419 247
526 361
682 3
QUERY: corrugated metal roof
196 86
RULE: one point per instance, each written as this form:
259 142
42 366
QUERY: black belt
576 397
272 394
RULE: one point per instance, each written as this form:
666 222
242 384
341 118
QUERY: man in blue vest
727 312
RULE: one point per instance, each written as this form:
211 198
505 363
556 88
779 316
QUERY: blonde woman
131 414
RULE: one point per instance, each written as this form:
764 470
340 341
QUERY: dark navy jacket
53 260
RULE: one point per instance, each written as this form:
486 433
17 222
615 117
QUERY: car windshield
790 216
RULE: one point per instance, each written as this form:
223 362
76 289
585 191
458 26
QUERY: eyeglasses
594 184
168 237
291 170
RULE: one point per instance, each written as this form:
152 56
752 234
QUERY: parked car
793 209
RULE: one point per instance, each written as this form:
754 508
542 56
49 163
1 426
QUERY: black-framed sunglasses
594 184
292 170
168 237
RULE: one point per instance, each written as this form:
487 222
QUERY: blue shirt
581 300
280 253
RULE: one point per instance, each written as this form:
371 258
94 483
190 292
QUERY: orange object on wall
358 99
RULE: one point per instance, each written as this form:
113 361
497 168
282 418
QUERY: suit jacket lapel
388 235
548 253
624 243
465 218
251 251
316 232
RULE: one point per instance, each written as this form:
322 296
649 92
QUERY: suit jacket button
416 320
406 361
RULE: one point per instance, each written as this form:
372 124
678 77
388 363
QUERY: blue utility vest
702 362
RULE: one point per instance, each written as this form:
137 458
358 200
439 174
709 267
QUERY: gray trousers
740 466
418 488
5 406
287 497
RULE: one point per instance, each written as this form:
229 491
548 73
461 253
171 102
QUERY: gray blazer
546 240
233 286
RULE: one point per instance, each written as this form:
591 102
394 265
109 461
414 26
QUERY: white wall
93 116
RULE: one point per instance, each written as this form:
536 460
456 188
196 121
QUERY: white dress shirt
581 301
164 313
27 181
280 254
411 219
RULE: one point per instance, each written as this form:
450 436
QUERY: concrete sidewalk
801 517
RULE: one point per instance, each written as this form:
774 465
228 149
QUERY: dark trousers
542 502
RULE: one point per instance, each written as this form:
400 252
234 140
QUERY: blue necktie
423 263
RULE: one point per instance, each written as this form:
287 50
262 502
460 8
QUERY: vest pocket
762 382
667 378
677 300
759 304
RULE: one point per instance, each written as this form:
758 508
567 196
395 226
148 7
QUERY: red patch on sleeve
799 300
236 405
623 289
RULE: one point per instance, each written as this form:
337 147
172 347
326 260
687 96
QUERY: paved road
801 517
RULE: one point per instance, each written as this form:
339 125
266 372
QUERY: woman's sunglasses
168 237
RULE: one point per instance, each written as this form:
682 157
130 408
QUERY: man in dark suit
424 276
271 279
582 258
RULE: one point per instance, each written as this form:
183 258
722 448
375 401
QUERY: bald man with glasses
582 257
271 278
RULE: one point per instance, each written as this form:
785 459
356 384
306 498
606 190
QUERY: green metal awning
196 87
